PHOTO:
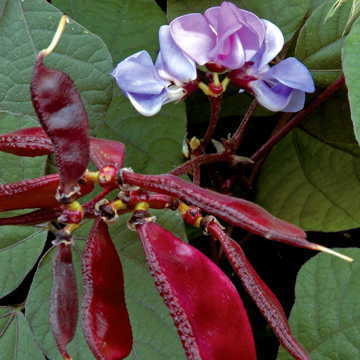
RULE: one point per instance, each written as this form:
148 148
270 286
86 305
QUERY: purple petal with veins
226 35
240 34
291 72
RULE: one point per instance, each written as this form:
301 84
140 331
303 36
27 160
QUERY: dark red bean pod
108 157
31 193
264 298
34 193
105 152
64 299
63 117
206 309
105 319
155 201
235 211
26 142
32 218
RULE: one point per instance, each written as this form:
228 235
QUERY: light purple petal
173 61
137 74
252 22
274 98
239 35
291 72
194 36
147 105
229 52
273 43
296 102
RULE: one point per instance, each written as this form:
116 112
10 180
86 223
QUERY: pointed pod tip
57 36
332 252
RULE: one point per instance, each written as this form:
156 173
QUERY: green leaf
315 4
319 43
16 338
26 27
126 26
19 250
16 168
6 316
350 58
154 334
287 14
325 317
2 7
331 123
153 145
311 184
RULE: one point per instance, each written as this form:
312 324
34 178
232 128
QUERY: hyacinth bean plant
112 247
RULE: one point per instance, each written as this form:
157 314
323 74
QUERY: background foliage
311 177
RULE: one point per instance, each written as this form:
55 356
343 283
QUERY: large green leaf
126 26
287 14
331 123
15 168
19 251
17 342
2 7
154 334
153 144
315 3
326 314
351 69
311 183
6 316
319 42
26 27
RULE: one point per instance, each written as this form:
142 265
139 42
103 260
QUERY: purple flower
244 44
278 88
149 86
225 35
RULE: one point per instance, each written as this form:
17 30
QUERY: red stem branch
238 135
202 160
215 107
298 118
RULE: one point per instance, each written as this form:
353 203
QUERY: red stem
202 160
238 135
89 206
215 106
298 118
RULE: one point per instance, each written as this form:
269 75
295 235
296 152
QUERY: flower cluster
226 40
